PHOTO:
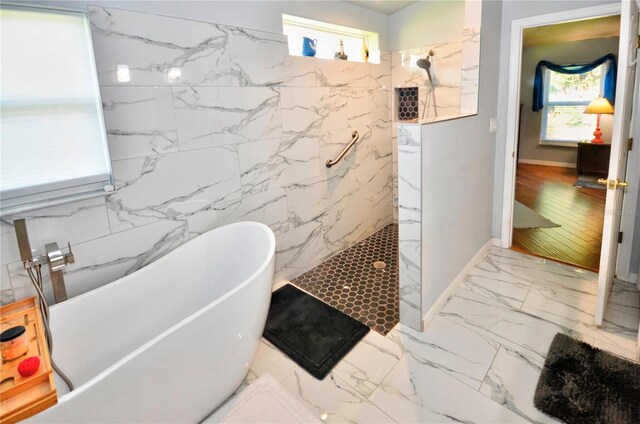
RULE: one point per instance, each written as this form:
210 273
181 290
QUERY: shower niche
407 106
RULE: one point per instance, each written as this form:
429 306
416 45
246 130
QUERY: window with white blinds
53 145
566 97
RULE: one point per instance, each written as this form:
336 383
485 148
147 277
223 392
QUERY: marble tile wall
447 65
455 70
456 75
470 75
241 134
410 223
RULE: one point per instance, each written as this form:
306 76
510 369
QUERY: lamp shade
599 105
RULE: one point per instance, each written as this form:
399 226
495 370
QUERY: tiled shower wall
410 224
243 134
456 72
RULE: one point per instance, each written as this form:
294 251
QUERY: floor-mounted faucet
54 258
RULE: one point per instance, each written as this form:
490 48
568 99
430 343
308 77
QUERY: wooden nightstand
593 159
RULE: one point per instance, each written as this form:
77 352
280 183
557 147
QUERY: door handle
613 184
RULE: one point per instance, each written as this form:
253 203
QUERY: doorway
559 205
615 182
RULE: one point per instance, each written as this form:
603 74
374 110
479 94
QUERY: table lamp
599 106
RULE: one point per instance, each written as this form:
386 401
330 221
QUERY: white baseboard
628 278
496 241
453 286
547 163
635 278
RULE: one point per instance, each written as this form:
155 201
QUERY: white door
617 166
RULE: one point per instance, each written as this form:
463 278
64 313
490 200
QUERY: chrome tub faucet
53 257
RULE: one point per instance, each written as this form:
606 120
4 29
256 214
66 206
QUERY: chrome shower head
425 63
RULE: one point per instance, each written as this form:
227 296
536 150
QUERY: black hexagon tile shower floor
351 283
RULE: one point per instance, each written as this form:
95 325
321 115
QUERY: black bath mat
582 384
310 332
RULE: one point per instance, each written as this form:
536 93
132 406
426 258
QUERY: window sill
19 209
371 61
559 143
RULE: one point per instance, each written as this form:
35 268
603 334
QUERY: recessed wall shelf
407 103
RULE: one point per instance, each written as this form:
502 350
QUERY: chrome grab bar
354 137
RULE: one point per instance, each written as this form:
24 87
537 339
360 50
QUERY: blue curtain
609 79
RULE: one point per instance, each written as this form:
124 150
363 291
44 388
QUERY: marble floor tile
624 298
447 346
333 400
538 271
525 333
478 361
563 307
512 382
419 393
270 360
487 279
368 363
626 352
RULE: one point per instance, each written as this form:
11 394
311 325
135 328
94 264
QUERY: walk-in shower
361 281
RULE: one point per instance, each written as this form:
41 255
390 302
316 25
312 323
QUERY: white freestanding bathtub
172 341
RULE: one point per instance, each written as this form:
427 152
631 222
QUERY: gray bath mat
581 384
523 217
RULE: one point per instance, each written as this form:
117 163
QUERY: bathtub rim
147 345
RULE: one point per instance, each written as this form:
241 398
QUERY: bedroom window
54 146
565 99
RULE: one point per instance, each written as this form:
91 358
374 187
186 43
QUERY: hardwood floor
549 191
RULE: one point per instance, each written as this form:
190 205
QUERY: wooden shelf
23 397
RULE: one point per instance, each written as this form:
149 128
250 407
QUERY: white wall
515 10
427 23
562 53
457 179
258 15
